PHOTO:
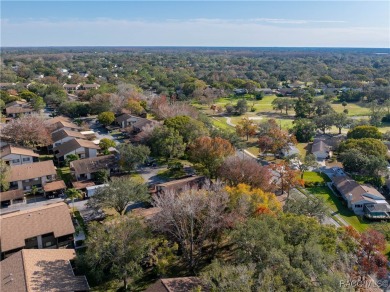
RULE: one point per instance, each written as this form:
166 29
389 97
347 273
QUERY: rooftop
19 225
72 145
41 270
31 170
8 149
93 164
63 133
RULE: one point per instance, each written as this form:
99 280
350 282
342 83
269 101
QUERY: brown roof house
179 184
12 197
362 199
35 270
13 155
64 135
184 284
126 120
89 86
25 176
79 147
64 125
71 87
48 226
57 119
84 169
15 108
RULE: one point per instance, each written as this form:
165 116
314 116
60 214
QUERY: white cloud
195 32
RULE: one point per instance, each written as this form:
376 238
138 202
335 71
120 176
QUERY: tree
236 170
135 107
310 206
324 122
322 107
341 120
368 146
251 201
377 112
102 176
106 118
166 142
360 132
303 130
118 194
70 158
106 143
132 156
272 139
4 172
188 128
27 130
73 194
354 160
283 103
241 106
192 218
227 277
37 103
246 127
209 153
304 106
74 109
371 258
292 253
117 248
285 178
309 162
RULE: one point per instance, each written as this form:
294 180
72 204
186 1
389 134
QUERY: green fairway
354 109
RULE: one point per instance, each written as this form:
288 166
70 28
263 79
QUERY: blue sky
201 23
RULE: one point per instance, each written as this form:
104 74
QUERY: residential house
54 120
183 284
34 270
12 197
179 184
13 155
126 120
240 91
285 91
266 91
48 226
54 188
362 199
18 107
89 86
25 176
64 135
71 87
81 148
321 150
64 125
84 169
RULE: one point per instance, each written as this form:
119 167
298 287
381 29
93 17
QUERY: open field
354 109
336 205
315 177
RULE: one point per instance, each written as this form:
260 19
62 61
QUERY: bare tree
192 218
28 130
236 170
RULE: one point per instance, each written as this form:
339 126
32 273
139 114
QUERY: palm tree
34 190
73 194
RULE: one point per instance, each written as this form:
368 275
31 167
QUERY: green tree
131 156
73 194
360 132
341 120
229 278
187 127
106 118
304 130
37 103
70 158
167 142
118 194
283 103
367 146
27 95
4 172
2 105
102 176
324 122
106 143
117 247
241 106
308 206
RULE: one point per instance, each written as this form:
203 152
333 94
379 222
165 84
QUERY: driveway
150 174
101 132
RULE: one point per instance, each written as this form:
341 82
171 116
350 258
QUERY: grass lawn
354 109
336 205
311 176
264 105
221 123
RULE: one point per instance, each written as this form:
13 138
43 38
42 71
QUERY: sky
359 24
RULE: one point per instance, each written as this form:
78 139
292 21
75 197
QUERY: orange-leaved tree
252 201
246 127
285 178
209 153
